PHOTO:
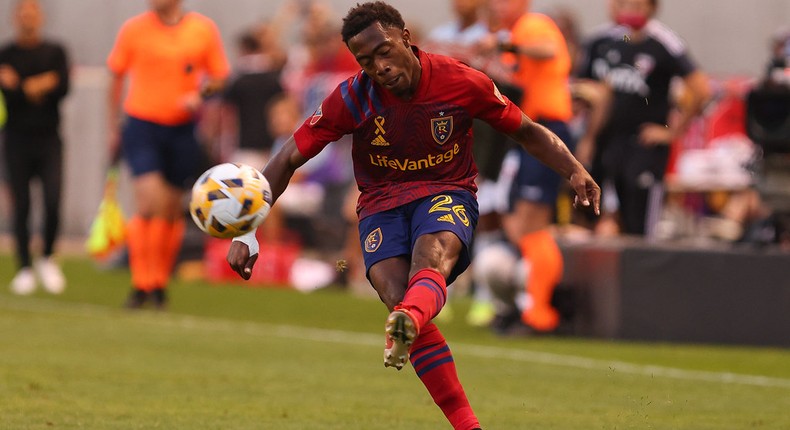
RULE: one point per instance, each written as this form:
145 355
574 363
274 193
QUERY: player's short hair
249 42
363 15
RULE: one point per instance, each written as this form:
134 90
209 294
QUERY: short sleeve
683 64
120 56
330 121
216 62
490 105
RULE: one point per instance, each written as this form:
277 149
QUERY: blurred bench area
627 289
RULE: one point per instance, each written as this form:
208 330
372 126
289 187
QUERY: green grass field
230 357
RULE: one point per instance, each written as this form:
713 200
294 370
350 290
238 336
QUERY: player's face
466 7
386 56
507 12
29 17
163 5
637 7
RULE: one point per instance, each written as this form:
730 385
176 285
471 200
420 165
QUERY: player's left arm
544 145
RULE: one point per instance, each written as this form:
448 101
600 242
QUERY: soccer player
410 114
536 48
34 77
167 52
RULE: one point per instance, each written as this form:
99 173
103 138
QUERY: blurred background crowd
713 164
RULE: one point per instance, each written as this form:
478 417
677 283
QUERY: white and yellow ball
230 199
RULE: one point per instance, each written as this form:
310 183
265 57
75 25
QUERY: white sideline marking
45 306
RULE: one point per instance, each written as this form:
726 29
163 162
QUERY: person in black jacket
34 80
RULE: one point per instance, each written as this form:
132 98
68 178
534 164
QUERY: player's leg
429 354
51 177
141 149
443 226
641 195
20 170
180 152
499 267
527 226
386 244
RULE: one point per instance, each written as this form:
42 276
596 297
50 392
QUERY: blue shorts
171 150
393 233
536 182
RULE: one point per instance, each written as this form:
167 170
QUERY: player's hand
588 193
9 79
243 254
655 134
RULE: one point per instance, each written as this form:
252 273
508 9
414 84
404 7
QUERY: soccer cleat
136 299
159 299
401 332
50 275
24 283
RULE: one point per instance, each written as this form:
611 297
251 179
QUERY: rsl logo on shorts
373 241
442 128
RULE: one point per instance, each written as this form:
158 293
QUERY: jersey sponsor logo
373 241
379 140
405 164
629 80
499 95
442 128
317 115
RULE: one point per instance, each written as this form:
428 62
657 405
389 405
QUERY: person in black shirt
34 79
254 84
627 143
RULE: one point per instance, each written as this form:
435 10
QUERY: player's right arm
114 113
118 62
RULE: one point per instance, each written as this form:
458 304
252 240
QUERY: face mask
633 20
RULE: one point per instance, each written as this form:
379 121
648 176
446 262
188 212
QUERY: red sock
432 360
425 296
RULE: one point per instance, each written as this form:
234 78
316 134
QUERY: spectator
459 37
778 70
34 78
167 52
636 57
250 90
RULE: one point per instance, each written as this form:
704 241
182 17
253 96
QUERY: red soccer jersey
406 150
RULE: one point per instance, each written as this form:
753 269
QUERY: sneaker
480 314
136 299
50 275
159 299
401 332
24 283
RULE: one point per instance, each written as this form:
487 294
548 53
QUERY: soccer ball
230 199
